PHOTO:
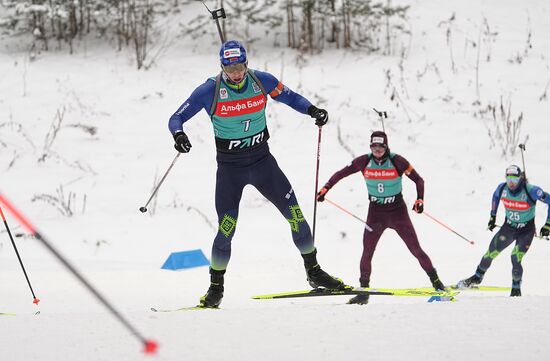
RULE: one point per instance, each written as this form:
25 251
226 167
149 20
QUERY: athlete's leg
370 239
268 178
401 222
229 188
523 242
376 219
502 239
272 183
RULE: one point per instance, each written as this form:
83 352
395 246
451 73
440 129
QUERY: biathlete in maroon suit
383 173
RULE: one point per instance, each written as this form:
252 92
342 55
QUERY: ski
421 291
190 308
14 314
357 291
318 292
453 288
481 288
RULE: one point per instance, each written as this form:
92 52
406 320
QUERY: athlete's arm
355 166
496 199
538 194
282 93
404 167
201 98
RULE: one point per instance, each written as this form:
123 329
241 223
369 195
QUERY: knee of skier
418 252
222 246
516 263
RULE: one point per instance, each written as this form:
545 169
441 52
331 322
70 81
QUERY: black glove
492 223
320 115
418 206
545 230
321 194
182 142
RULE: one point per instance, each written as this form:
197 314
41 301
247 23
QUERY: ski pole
382 115
144 208
316 183
217 14
150 346
367 227
35 300
447 227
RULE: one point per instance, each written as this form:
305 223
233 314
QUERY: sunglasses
234 68
377 147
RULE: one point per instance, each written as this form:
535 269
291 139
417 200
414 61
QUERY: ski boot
516 289
317 277
469 282
360 299
436 282
214 295
516 292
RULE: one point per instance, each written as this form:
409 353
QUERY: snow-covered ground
111 174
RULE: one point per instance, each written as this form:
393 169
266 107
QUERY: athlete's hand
183 145
492 223
320 115
321 194
418 206
545 230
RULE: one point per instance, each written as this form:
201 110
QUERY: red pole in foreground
35 300
149 346
447 227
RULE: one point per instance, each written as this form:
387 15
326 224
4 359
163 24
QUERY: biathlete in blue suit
235 101
519 199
